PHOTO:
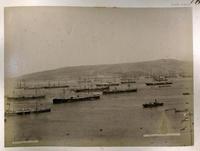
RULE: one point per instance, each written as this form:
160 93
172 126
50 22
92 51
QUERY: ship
56 86
158 83
176 110
28 97
22 85
76 98
153 104
102 88
24 96
127 81
159 78
107 84
26 111
48 87
120 91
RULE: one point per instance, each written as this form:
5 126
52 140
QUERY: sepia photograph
98 76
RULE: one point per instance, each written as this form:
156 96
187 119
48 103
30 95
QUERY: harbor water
113 120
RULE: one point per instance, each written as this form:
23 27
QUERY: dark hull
29 112
42 111
127 82
176 111
186 93
158 83
151 105
108 84
27 97
44 87
23 113
119 91
89 98
51 87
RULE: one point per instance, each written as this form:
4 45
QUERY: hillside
162 66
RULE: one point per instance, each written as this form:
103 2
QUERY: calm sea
114 120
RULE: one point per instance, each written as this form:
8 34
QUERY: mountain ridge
161 66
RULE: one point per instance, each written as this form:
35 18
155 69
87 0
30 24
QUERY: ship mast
36 106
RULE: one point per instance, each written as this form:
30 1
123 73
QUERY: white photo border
109 3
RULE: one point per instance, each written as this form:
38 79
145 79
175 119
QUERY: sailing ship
25 111
159 81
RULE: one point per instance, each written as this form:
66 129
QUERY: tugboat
153 104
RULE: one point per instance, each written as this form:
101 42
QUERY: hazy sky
43 38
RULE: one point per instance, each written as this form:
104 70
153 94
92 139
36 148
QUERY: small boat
153 104
186 93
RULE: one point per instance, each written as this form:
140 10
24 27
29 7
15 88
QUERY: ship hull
152 105
119 91
158 83
26 97
29 112
92 90
127 82
108 84
68 100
